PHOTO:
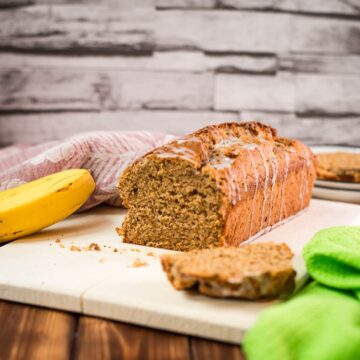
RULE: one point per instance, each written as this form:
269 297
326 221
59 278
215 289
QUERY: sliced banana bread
339 166
253 271
218 186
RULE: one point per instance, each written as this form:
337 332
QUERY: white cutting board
37 270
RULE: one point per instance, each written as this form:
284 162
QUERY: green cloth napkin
321 322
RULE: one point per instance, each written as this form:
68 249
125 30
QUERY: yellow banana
33 206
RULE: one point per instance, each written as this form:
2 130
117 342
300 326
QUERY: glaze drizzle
275 168
287 161
266 167
256 189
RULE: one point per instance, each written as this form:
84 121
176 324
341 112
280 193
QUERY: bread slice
253 271
216 187
339 166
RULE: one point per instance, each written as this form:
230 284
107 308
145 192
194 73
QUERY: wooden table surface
31 333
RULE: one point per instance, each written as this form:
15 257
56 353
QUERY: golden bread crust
263 179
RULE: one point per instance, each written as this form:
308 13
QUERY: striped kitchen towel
105 154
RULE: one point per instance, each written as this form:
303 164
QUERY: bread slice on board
253 271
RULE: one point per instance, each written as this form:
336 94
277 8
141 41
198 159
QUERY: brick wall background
177 65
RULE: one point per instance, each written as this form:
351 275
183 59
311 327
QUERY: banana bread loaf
216 187
253 271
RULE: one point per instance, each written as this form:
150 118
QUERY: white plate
330 148
336 190
350 196
338 185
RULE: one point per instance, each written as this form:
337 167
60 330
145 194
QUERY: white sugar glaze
233 187
275 167
224 162
171 155
301 192
305 181
231 141
287 160
256 174
227 142
193 139
245 178
182 152
266 168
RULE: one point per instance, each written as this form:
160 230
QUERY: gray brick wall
177 65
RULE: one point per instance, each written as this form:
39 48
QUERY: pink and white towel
106 154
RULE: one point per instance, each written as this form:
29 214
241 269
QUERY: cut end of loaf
171 205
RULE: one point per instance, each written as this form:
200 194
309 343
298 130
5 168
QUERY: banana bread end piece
254 271
338 166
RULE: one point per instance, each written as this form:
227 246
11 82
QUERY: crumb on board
115 250
92 247
101 260
57 240
74 248
138 263
150 253
135 250
62 246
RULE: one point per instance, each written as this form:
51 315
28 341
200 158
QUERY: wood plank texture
119 62
186 4
35 128
203 349
71 28
110 29
14 3
214 30
28 332
126 4
319 130
327 64
302 93
76 29
328 94
325 35
159 61
48 89
336 7
340 7
101 339
245 92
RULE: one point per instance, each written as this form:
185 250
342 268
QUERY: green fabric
322 322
